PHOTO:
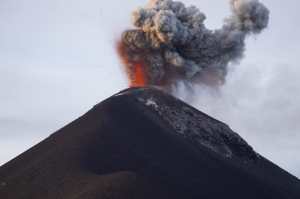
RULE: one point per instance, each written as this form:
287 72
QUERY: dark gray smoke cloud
173 43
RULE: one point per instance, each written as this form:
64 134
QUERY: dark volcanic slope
142 144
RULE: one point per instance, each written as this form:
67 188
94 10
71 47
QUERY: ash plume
170 42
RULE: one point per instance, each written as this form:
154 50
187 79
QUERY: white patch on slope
151 102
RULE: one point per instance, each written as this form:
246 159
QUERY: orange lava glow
138 77
134 69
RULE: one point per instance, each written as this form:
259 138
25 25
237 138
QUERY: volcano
145 144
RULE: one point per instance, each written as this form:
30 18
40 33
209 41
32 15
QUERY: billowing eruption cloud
171 43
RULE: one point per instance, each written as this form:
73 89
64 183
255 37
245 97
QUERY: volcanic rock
145 144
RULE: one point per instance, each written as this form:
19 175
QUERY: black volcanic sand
140 144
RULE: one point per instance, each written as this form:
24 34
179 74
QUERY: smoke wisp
170 42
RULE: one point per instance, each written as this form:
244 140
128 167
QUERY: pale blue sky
57 59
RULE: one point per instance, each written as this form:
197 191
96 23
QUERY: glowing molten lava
138 77
134 68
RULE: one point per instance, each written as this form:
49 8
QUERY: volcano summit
145 144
